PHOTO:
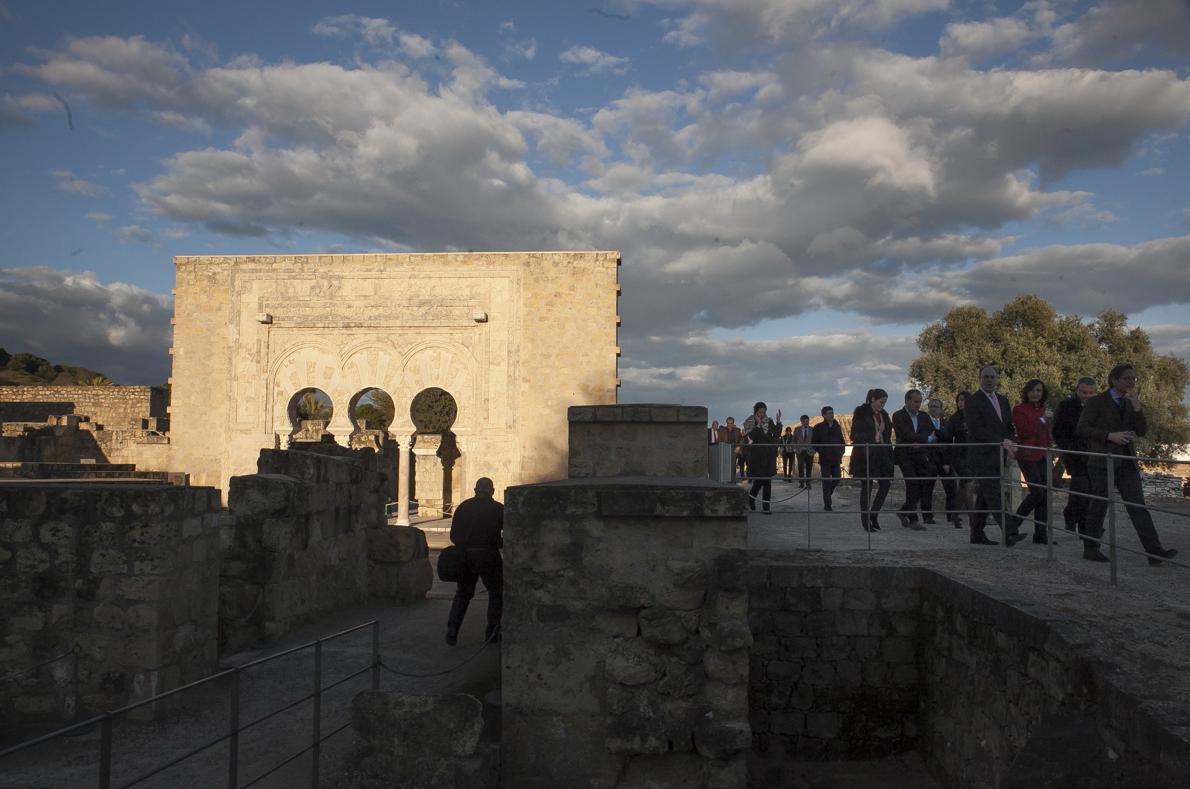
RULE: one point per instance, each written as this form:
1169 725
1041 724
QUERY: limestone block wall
297 545
834 664
859 662
111 406
633 439
128 573
625 656
514 337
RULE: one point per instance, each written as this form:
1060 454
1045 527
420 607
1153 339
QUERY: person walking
1032 419
787 454
477 528
941 465
990 431
871 455
956 435
1110 424
763 435
827 438
805 451
913 430
1066 418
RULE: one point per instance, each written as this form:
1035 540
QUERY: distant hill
25 369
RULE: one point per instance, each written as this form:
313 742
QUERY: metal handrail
235 727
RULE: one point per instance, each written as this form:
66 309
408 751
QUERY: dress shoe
452 637
904 519
1094 555
875 523
1164 553
928 521
826 508
957 521
1013 539
981 539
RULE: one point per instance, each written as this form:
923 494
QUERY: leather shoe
1013 539
875 523
1094 555
982 539
452 638
928 521
905 519
1164 553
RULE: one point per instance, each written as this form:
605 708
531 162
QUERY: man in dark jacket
1066 437
476 529
763 435
988 417
827 437
1110 424
913 430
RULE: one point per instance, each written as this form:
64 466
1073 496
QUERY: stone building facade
514 338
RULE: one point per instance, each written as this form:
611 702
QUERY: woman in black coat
956 433
871 425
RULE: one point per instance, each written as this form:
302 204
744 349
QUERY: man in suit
827 437
1110 424
989 421
713 432
912 429
1066 418
729 433
941 466
803 445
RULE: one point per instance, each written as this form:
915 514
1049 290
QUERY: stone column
405 443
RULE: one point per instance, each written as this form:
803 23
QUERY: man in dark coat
1066 437
763 436
827 437
1110 424
988 417
913 430
477 529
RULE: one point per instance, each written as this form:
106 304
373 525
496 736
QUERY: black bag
450 564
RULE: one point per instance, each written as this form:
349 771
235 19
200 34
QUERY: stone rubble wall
625 634
297 546
862 662
129 574
834 671
114 407
631 440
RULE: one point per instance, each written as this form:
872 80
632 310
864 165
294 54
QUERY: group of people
965 452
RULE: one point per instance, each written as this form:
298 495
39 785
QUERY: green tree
314 404
1029 339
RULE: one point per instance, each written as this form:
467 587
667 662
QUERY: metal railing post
105 752
867 482
1000 488
317 713
376 655
233 734
1049 505
1111 515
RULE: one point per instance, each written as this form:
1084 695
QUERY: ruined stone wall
628 440
834 664
111 406
148 451
625 634
297 544
128 573
515 338
861 662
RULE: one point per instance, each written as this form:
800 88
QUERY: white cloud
374 31
1153 171
1117 30
594 61
95 216
118 329
515 48
66 181
135 233
978 41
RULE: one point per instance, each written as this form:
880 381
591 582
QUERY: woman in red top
1032 421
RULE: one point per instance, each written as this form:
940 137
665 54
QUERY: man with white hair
477 529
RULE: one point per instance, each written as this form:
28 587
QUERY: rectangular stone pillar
631 440
625 652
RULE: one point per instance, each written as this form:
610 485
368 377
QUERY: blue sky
796 186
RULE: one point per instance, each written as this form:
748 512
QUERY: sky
796 187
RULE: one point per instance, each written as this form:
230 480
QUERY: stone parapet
129 574
638 440
625 634
114 407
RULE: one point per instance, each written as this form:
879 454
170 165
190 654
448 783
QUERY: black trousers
914 465
480 564
948 486
1036 477
805 464
763 487
742 464
1077 505
987 497
865 489
830 480
1128 484
787 466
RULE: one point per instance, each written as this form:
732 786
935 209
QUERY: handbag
450 564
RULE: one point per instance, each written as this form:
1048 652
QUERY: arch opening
310 411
